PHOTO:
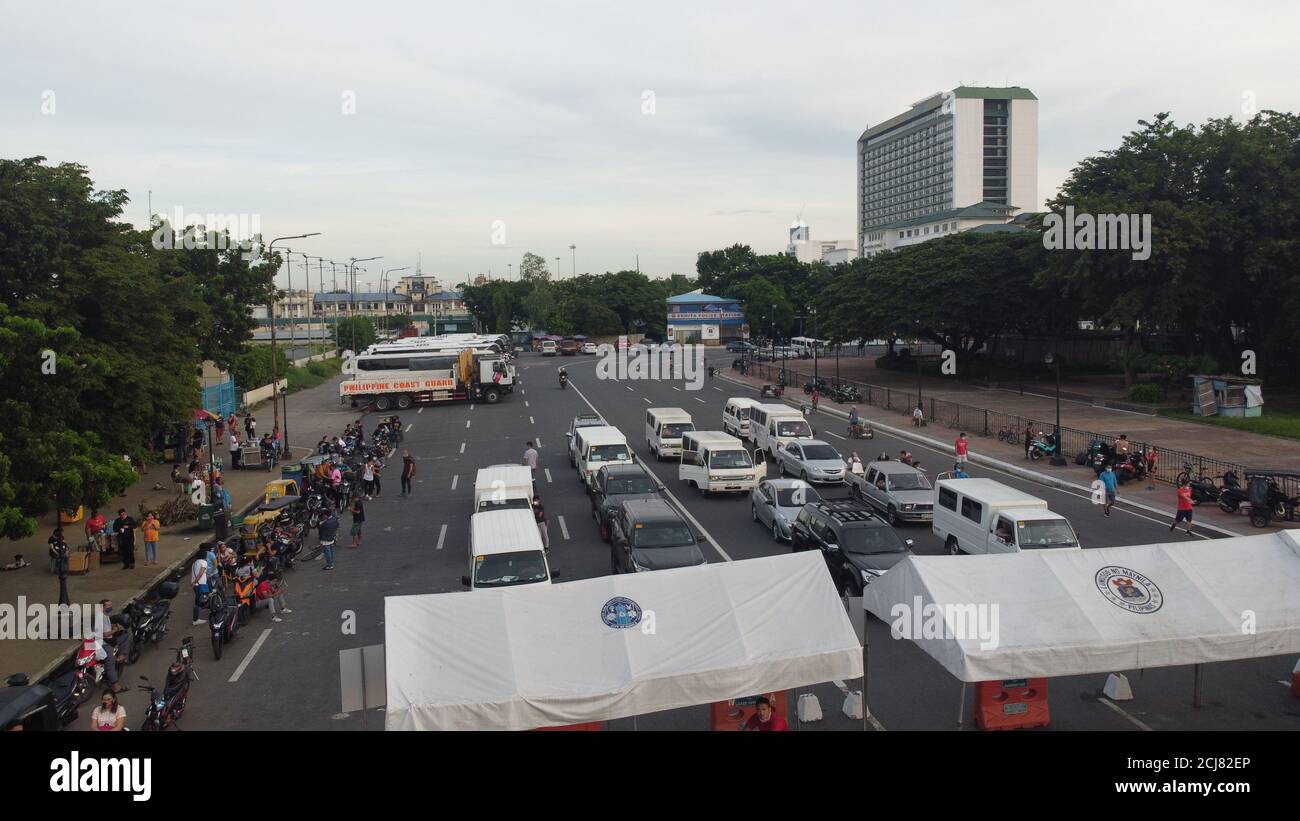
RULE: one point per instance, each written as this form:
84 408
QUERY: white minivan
663 430
597 446
549 348
984 516
771 426
502 487
505 550
735 416
716 461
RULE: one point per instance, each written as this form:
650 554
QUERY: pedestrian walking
1029 438
235 455
539 513
327 531
961 446
150 528
1111 485
358 511
1184 510
368 478
408 472
200 573
378 470
530 459
816 397
221 430
275 440
124 526
959 472
250 427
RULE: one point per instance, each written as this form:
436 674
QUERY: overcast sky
535 115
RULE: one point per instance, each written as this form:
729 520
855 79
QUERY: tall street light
557 269
352 298
275 406
573 249
917 353
320 266
814 343
1053 360
384 279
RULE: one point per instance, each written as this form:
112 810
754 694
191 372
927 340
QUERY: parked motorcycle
1232 495
87 670
223 620
1043 446
148 625
166 708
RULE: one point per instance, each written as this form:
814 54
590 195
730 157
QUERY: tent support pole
961 707
1196 685
865 713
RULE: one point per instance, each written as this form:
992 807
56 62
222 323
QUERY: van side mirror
555 574
832 546
464 580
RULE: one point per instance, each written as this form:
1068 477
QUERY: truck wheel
491 396
892 513
404 402
951 545
383 403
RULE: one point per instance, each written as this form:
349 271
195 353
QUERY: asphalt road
286 675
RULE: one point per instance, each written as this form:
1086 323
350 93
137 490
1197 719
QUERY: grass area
1275 421
313 374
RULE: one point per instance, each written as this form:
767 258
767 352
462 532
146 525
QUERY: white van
597 446
717 461
735 416
771 426
503 487
549 348
505 549
663 430
984 516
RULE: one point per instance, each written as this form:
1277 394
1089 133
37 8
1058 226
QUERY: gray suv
899 491
615 484
650 535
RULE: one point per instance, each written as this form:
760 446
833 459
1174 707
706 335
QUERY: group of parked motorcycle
841 392
1261 498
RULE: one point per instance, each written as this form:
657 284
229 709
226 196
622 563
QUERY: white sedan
589 347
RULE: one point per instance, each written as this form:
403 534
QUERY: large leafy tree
532 268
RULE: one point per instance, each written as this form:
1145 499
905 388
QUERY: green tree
532 268
342 333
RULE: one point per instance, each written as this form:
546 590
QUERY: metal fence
976 421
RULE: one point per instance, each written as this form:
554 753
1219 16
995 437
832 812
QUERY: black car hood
666 558
875 561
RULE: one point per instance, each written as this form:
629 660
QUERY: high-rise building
969 147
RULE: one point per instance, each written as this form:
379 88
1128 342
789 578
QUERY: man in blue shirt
1112 484
959 472
327 530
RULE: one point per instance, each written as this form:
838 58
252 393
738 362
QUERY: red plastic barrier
1012 704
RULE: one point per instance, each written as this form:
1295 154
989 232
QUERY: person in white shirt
855 464
368 478
918 417
235 454
530 458
109 715
199 581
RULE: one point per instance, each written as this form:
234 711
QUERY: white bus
806 345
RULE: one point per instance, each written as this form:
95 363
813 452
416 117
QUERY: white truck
466 375
503 487
984 516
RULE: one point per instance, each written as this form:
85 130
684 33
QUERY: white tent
1072 612
532 656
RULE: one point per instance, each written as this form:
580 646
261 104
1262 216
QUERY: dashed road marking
454 480
629 387
525 403
467 421
836 435
462 447
408 427
701 401
564 530
243 665
548 475
679 390
647 401
537 440
442 534
530 421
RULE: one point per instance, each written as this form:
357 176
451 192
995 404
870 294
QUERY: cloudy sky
470 133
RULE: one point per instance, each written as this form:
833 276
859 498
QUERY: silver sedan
774 503
811 460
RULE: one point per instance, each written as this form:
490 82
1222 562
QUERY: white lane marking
701 401
1122 712
467 421
243 665
548 475
420 411
537 441
563 528
679 390
525 403
629 387
462 447
836 435
442 534
681 507
408 427
530 421
471 406
719 390
454 480
647 401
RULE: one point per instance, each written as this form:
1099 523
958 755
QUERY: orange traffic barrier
1012 704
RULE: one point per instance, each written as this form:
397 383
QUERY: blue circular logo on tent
619 613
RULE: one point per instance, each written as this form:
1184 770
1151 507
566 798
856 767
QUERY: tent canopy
1074 612
532 656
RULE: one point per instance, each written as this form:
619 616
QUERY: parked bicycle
1008 434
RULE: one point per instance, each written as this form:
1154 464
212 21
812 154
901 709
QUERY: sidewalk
1161 498
176 549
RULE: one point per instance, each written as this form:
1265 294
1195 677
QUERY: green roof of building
980 210
990 93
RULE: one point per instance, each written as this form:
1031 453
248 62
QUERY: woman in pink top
109 716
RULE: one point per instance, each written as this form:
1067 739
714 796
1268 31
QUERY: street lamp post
275 406
917 356
1058 460
352 298
814 344
773 333
385 286
557 269
573 249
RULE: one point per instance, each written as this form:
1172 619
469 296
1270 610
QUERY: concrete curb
1007 467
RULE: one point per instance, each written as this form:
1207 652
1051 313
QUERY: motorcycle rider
564 377
855 423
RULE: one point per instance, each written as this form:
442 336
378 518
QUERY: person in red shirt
765 718
1184 507
961 446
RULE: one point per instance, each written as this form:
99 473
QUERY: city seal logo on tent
620 613
1129 589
